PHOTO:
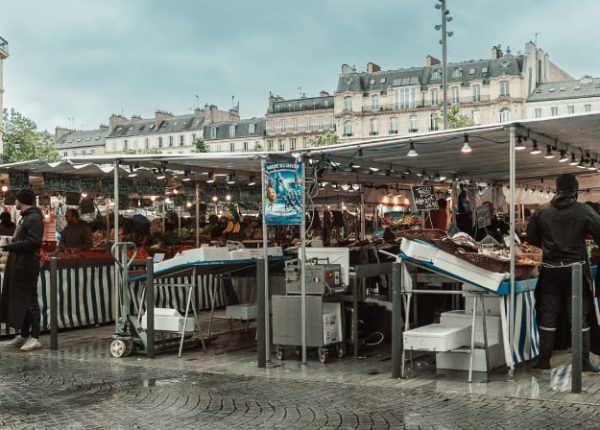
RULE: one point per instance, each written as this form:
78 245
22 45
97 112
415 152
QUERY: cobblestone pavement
39 391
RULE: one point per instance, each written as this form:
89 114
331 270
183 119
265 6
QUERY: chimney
60 132
234 113
103 127
115 120
372 67
160 116
136 117
496 52
431 61
323 93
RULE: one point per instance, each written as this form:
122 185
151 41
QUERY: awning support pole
267 340
116 227
197 215
513 192
303 263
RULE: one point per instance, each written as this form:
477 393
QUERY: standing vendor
77 234
560 228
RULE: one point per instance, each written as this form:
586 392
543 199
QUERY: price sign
108 186
18 180
484 216
71 184
53 182
88 184
424 198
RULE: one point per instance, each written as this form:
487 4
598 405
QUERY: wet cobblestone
53 392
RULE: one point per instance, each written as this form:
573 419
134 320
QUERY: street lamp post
443 41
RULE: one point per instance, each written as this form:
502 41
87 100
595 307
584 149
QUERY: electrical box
321 279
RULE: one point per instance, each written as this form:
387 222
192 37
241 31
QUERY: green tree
324 139
23 141
200 145
457 120
258 147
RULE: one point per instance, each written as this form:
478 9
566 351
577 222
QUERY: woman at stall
7 227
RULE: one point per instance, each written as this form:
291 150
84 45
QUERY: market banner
283 193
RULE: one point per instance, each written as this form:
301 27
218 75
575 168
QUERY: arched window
504 115
348 128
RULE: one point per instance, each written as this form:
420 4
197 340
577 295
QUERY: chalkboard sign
424 198
18 180
156 188
88 184
108 186
484 216
53 182
71 184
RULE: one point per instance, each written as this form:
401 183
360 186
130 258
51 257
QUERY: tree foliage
23 141
324 139
458 120
200 145
258 147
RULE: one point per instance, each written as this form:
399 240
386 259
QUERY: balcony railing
425 104
302 130
4 45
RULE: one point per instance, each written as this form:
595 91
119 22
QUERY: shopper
19 306
560 228
77 234
7 227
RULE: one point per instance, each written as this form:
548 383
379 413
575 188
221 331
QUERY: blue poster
283 193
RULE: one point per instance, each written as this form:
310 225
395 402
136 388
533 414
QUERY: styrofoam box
460 361
167 319
240 254
493 324
468 271
418 250
245 311
492 305
437 337
272 251
206 254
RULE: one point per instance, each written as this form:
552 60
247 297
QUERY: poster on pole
282 183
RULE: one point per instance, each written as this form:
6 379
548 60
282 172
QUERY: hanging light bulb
520 145
573 161
189 204
466 148
374 169
228 197
153 198
251 181
345 187
592 165
412 152
211 178
167 200
407 172
549 153
535 150
231 179
581 164
84 195
215 198
563 156
355 187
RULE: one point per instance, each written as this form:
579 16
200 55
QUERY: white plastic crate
437 337
468 271
206 254
460 360
245 312
167 319
460 317
418 250
240 254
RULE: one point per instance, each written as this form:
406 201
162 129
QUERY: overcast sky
87 59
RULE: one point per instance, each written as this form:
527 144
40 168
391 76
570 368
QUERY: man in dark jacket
19 306
561 228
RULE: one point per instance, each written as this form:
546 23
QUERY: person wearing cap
560 229
19 306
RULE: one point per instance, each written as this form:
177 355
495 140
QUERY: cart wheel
280 354
324 356
341 350
130 347
118 348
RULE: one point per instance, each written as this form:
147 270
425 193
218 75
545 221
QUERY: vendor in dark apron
560 229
